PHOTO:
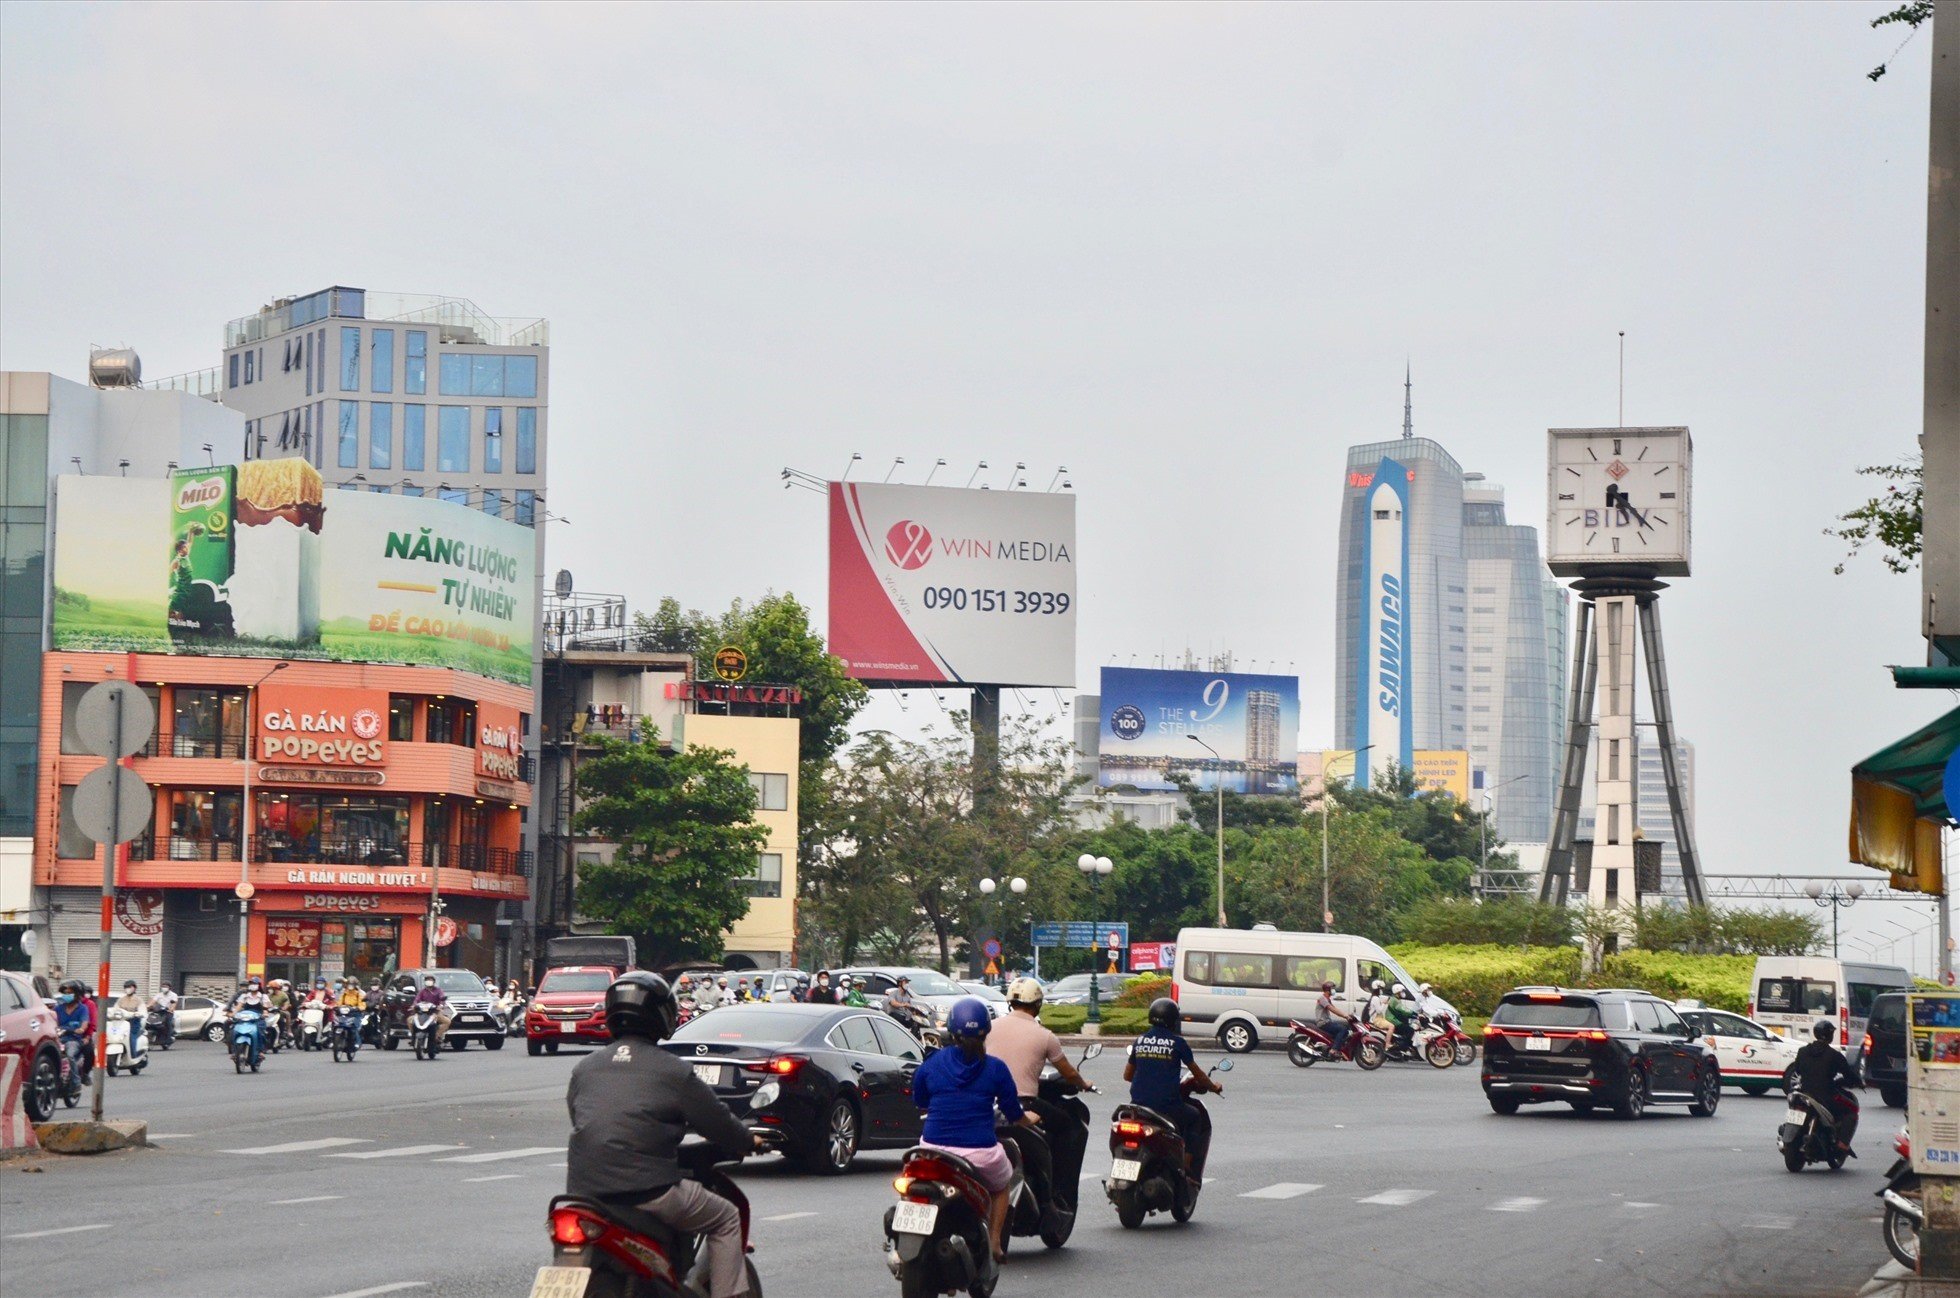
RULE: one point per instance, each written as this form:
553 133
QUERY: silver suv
474 1009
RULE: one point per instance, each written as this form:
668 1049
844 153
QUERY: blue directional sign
1079 933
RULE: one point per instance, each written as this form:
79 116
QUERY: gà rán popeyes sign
302 726
499 743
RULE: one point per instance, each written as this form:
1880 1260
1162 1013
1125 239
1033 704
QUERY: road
389 1175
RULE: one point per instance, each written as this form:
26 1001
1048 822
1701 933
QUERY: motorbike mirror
1222 1066
1094 1051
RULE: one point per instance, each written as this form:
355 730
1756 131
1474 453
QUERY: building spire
1408 404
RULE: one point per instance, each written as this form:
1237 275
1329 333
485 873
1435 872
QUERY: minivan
1243 983
1791 994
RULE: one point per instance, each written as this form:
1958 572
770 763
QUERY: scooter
512 1008
1462 1044
1311 1044
1148 1172
160 1026
1905 1211
69 1086
247 1040
1047 1203
346 1038
312 1026
1423 1047
607 1251
118 1047
1809 1133
936 1239
423 1021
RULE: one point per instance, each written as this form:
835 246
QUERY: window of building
453 438
454 495
493 502
493 439
381 435
453 374
381 367
306 360
207 721
414 426
248 366
408 490
767 881
71 844
231 370
486 376
527 439
401 718
358 829
350 359
415 363
520 376
452 721
771 791
350 434
527 507
71 699
204 825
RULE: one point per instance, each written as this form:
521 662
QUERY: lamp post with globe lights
1094 868
1837 898
1016 885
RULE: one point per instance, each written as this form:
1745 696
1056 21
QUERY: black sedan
818 1082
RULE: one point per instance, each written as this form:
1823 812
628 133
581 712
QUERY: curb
92 1137
1894 1281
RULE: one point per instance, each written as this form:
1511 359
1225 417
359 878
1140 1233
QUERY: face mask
68 998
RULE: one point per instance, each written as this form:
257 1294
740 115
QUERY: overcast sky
1183 250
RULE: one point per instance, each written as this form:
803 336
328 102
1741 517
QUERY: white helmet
1399 990
1422 989
1376 986
1024 991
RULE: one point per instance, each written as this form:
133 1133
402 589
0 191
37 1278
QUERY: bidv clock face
1619 496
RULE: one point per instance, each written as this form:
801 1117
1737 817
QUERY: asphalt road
389 1175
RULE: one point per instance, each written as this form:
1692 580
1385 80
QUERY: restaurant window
204 825
71 698
452 721
207 722
334 829
401 718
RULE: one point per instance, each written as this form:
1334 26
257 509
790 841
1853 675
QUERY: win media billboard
1149 715
942 585
257 560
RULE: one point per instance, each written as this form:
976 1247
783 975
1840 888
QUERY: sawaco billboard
946 585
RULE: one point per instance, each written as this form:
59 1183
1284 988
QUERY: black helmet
1825 1031
641 1004
1163 1014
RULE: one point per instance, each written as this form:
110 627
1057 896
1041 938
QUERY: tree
683 825
1504 921
1893 520
1448 832
1912 14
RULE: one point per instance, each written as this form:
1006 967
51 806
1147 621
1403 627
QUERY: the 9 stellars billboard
1150 716
941 585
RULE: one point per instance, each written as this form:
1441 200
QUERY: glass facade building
23 568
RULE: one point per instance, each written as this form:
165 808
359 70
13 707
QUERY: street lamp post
1094 868
1016 885
1326 858
245 816
1837 898
1483 832
1218 783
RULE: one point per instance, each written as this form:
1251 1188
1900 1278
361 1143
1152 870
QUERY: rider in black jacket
631 1103
1819 1067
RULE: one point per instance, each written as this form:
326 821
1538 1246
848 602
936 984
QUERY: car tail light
572 1227
1592 1034
1545 996
1866 1049
1492 1030
1174 991
1750 1011
778 1065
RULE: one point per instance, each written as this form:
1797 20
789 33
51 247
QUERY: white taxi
1751 1056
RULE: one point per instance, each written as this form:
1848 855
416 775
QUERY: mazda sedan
818 1083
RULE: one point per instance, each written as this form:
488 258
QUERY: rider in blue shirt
74 1021
958 1089
1156 1068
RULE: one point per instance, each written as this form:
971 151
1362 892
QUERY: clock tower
1617 504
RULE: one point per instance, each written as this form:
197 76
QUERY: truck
611 952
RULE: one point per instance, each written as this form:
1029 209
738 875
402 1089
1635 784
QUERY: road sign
445 931
731 664
991 948
95 719
112 805
1079 933
244 890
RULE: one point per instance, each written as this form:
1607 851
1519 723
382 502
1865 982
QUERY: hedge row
1473 977
1066 1019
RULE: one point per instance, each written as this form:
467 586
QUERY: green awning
1916 765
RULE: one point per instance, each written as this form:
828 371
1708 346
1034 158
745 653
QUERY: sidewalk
1894 1281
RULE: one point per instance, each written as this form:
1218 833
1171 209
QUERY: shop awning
1899 806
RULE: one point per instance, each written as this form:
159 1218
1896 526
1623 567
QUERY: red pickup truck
569 1009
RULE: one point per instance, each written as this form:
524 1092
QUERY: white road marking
300 1146
507 1176
1283 1190
1397 1198
402 1152
173 1135
1516 1205
379 1289
59 1230
1640 1207
312 1198
499 1155
789 1216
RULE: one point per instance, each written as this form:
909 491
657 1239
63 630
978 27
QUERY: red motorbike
1446 1028
1311 1044
936 1234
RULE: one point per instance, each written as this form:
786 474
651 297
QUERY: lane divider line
1283 1190
380 1289
1516 1205
403 1151
301 1146
789 1216
507 1176
59 1230
1397 1198
311 1198
499 1155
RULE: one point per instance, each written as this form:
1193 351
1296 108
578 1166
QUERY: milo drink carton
202 553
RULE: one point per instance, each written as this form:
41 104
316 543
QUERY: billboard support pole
986 740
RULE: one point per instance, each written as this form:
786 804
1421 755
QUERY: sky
1183 250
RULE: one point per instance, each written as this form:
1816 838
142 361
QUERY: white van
1791 994
1242 984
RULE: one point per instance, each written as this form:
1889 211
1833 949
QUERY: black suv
1624 1049
1883 1061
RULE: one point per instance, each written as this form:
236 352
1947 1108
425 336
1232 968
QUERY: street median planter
92 1137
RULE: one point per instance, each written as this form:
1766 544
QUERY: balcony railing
199 383
272 847
177 745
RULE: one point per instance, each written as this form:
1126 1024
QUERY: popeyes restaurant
351 811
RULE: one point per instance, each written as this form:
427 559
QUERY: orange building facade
356 809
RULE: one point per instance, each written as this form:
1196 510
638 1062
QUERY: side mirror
1093 1052
1222 1066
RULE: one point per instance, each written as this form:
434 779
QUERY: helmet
1024 991
72 985
1825 1031
969 1019
1400 990
1163 1014
1375 986
641 1004
1422 989
1327 986
843 980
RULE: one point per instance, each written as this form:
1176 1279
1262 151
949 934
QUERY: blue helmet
969 1018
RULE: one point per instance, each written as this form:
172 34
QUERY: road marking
300 1146
312 1198
1639 1207
379 1289
174 1135
789 1216
1516 1205
1397 1198
59 1230
1767 1223
507 1176
401 1152
1283 1190
499 1155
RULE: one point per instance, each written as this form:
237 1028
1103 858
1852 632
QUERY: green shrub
1139 992
1064 1018
1458 921
1068 1019
1472 978
1718 980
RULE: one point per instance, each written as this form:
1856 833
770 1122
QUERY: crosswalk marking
300 1146
311 1198
1517 1205
1282 1190
402 1151
499 1155
1397 1198
507 1176
380 1289
789 1216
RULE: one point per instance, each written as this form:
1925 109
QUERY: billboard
1385 724
1149 716
257 561
941 585
1441 770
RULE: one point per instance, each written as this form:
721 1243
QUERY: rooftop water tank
115 367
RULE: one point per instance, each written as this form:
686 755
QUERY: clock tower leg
1684 836
1612 885
1578 733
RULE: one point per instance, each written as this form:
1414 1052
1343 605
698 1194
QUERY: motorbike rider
1428 1002
132 1004
821 992
1019 1041
432 995
279 998
631 1103
1820 1066
1157 1061
74 1020
251 996
901 1005
1402 1018
706 994
957 1089
1374 1012
850 992
1336 1021
352 997
165 1003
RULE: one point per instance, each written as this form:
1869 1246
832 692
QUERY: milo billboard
200 553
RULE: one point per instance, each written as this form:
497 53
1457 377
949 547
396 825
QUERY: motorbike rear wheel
1300 1053
1130 1211
1440 1054
1057 1235
238 1059
1183 1205
915 1280
1793 1158
1901 1238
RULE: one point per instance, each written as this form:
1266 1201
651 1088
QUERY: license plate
1126 1169
1795 1117
561 1282
567 1028
469 1018
914 1218
1537 1043
709 1073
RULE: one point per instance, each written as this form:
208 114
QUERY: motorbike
606 1251
1809 1133
1424 1047
1905 1212
918 1024
936 1234
121 1051
69 1086
160 1026
346 1039
1148 1172
512 1008
248 1033
423 1023
312 1026
1463 1046
1047 1202
1310 1044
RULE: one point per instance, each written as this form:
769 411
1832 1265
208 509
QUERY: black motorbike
602 1250
160 1026
1809 1133
424 1026
1148 1172
1045 1202
342 1036
936 1234
1905 1208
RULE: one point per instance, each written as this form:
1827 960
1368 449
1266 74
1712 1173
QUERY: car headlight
765 1095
